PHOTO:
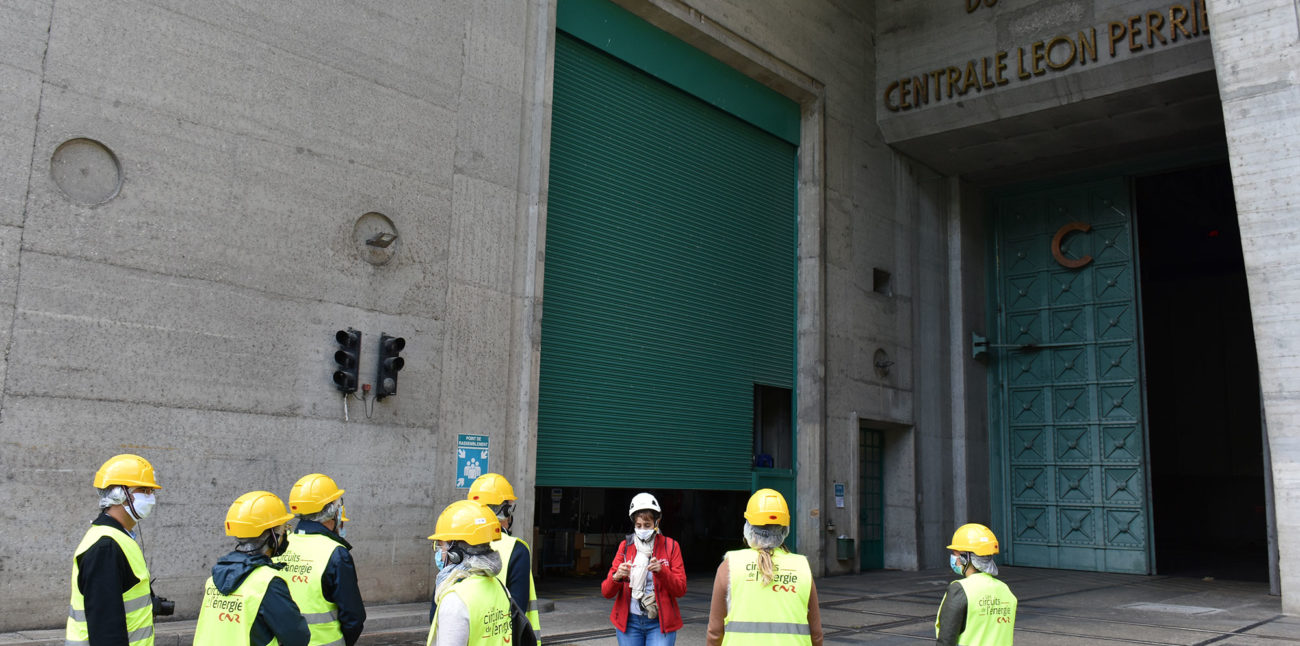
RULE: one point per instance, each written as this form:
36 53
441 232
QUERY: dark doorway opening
578 529
1202 379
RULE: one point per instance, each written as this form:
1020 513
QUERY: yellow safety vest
505 546
775 614
304 567
137 601
227 619
990 612
489 611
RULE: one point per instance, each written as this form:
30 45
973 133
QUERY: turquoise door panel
1067 381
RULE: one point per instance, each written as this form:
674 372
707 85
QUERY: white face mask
644 534
140 505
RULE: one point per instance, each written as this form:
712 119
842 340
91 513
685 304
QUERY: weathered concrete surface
190 319
1256 53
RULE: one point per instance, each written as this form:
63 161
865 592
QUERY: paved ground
1056 608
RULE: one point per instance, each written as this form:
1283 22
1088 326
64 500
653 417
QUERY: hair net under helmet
984 564
114 495
327 513
765 537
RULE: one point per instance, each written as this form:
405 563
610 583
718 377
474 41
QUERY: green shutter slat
659 54
670 281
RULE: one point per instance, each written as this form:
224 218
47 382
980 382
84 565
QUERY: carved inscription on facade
1136 33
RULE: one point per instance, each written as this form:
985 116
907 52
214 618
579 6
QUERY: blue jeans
644 632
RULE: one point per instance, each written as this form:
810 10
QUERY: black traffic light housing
349 360
389 364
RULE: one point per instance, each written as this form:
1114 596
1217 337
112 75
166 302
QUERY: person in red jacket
645 580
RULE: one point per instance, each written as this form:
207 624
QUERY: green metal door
871 511
1068 442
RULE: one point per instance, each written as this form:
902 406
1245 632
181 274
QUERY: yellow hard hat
255 512
767 507
491 489
312 492
469 521
127 470
973 537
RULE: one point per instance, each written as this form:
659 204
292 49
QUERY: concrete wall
190 318
1255 49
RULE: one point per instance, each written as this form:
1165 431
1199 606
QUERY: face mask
956 565
438 559
140 505
644 535
338 523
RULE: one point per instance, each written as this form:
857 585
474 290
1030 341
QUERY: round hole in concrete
86 171
376 238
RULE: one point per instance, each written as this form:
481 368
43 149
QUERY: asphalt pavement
1057 607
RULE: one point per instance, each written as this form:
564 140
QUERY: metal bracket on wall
979 346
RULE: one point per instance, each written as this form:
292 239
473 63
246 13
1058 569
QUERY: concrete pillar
1256 54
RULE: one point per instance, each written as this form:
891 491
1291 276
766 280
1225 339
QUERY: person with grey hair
318 563
765 593
472 606
977 609
112 599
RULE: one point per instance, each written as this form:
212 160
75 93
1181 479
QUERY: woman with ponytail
764 594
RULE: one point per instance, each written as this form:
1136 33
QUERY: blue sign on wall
471 459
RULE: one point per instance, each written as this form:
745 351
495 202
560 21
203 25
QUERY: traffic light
348 358
389 365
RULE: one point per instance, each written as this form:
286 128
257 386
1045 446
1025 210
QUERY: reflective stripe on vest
775 614
227 619
505 546
990 612
137 602
304 569
489 611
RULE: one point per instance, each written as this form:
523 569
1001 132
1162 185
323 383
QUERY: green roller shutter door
669 285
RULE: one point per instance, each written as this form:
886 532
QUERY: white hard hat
643 501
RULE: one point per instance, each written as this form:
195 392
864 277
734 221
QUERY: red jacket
670 583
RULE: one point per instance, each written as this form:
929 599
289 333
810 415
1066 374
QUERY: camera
163 607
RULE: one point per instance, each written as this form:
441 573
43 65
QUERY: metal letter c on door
1056 245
